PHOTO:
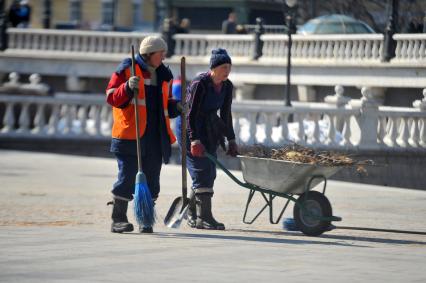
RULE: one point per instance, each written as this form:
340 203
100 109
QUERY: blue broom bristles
143 204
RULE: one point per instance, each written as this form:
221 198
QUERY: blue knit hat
219 57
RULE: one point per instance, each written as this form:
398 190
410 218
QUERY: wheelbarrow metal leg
249 199
271 211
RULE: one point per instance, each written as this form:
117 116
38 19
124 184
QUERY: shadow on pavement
251 238
346 238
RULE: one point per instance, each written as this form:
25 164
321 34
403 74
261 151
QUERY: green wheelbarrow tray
272 178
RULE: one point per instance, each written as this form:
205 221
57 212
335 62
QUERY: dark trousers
201 169
128 168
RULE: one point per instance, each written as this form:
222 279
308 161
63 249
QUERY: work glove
181 107
197 148
133 83
232 148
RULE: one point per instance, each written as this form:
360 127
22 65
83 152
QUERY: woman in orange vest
152 82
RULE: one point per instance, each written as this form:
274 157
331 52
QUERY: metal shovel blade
176 213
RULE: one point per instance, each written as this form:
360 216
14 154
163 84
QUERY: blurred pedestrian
20 14
229 26
184 26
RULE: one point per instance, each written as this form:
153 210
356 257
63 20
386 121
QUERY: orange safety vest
124 126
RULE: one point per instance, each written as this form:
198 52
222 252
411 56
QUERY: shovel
179 207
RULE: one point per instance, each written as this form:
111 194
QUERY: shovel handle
183 126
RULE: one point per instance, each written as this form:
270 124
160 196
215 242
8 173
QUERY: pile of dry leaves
301 154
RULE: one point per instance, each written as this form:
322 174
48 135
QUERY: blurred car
334 24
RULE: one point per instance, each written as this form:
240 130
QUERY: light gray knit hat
151 44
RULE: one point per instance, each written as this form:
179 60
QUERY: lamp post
47 13
290 15
389 42
3 26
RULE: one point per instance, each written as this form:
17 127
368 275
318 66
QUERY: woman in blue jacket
208 93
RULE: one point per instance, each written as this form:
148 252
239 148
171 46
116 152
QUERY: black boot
192 212
205 219
120 223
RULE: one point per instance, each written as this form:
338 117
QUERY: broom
143 204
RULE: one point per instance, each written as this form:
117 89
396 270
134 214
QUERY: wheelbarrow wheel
315 203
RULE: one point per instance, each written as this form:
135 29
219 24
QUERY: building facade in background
124 15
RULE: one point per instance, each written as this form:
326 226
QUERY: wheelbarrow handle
227 172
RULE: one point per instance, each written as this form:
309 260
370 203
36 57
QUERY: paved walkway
54 227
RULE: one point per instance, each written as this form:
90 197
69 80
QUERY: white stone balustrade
343 47
409 47
324 47
201 45
366 126
75 117
73 40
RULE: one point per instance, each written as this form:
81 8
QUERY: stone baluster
54 120
403 132
421 105
51 42
9 118
381 132
368 53
202 50
413 140
422 50
284 127
346 132
391 132
65 115
269 121
97 118
104 126
354 50
339 101
82 117
300 129
404 49
376 50
39 120
331 130
236 125
361 50
368 120
252 128
68 42
314 139
348 50
24 118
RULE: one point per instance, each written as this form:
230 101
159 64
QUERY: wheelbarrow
279 178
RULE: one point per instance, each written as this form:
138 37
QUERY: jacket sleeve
194 99
172 104
226 113
118 94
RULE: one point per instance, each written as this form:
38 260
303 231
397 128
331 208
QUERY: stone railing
200 45
338 124
62 116
409 47
325 47
278 29
73 40
345 47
